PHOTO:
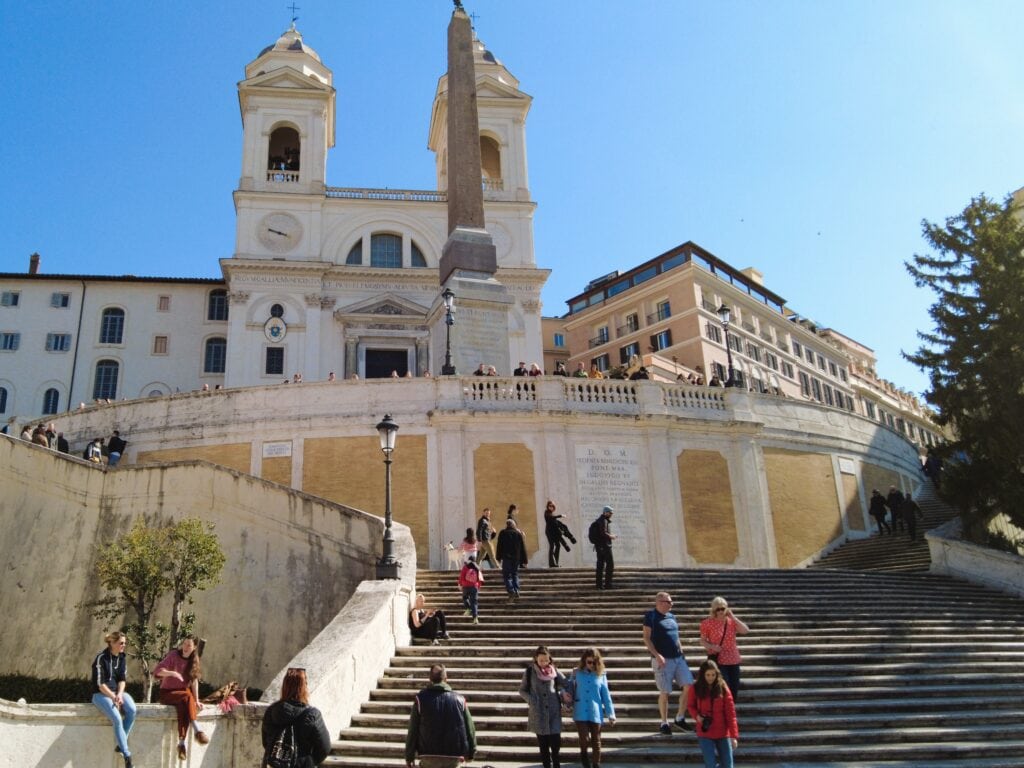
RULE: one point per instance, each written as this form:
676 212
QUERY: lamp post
449 320
387 566
725 314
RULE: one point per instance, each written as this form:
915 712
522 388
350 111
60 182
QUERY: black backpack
596 531
284 752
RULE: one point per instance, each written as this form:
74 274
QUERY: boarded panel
805 510
278 470
878 477
503 475
708 513
235 455
852 504
350 470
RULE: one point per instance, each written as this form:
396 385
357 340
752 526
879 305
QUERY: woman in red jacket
711 706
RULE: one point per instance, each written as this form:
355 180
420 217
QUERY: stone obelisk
469 259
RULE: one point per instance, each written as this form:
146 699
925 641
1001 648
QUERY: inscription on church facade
610 475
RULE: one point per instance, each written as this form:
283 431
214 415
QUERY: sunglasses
719 610
590 662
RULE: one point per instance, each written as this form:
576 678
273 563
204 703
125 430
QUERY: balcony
494 185
628 328
597 341
286 177
364 193
708 306
657 317
748 326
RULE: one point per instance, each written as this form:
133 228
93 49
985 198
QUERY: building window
797 349
9 298
821 362
809 354
215 355
842 374
601 362
713 332
51 399
355 256
754 352
735 343
628 351
717 369
105 383
833 368
58 342
159 345
3 400
112 326
632 323
816 387
60 301
827 390
787 369
418 259
386 251
275 361
559 339
163 304
663 311
805 384
276 310
602 334
662 340
217 305
869 409
771 361
9 342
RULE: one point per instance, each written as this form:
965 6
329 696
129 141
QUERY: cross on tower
293 8
472 19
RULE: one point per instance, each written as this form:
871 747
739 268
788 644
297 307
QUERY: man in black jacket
441 729
485 539
512 554
603 547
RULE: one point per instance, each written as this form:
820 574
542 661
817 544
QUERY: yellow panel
503 475
278 469
878 477
805 510
707 507
235 455
852 503
350 471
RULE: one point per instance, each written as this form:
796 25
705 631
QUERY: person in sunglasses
718 636
661 638
592 704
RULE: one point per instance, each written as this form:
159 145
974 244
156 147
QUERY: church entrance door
381 362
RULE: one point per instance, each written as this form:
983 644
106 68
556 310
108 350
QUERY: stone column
351 356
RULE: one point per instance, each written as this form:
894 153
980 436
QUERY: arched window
490 159
3 400
355 256
217 305
51 399
215 355
386 251
105 383
417 257
283 152
112 326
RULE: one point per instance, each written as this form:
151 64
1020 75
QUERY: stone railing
287 177
361 193
953 556
494 185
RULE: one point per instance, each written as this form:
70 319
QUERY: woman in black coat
290 723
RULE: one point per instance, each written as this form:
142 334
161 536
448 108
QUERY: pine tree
974 357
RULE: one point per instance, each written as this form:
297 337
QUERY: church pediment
286 78
492 88
386 305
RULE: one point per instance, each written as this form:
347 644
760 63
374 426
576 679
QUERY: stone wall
293 560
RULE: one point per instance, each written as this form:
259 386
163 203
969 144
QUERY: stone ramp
841 668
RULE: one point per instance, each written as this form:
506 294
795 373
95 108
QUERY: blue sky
805 138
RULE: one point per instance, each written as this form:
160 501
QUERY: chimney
33 264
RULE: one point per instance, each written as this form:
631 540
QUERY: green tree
974 357
134 570
196 561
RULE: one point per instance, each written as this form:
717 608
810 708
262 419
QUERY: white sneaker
476 621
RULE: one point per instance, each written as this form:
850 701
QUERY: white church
322 280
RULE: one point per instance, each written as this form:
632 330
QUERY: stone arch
284 147
343 237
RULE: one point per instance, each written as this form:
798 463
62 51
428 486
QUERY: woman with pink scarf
541 687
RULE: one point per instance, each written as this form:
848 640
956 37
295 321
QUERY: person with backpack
441 729
470 579
294 734
601 537
540 688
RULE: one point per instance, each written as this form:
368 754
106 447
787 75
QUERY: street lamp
449 320
724 313
387 566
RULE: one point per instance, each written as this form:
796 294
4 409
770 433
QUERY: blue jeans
717 752
122 723
510 575
470 597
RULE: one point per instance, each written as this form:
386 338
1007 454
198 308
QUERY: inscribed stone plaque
283 448
611 475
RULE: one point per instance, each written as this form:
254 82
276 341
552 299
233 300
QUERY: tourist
601 537
718 636
877 510
492 371
470 579
522 370
540 688
711 706
427 625
640 374
291 716
911 513
39 436
331 376
592 704
580 372
535 370
441 729
512 556
553 530
894 501
595 372
485 534
109 675
481 370
115 448
661 638
560 369
469 544
179 673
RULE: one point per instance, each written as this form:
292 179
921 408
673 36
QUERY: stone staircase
841 668
894 554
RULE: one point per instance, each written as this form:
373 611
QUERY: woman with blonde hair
718 636
540 688
179 673
109 677
592 703
291 724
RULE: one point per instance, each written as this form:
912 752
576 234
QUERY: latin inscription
610 475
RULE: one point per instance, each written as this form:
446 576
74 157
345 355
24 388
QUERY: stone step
691 758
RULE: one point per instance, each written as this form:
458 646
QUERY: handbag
714 656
